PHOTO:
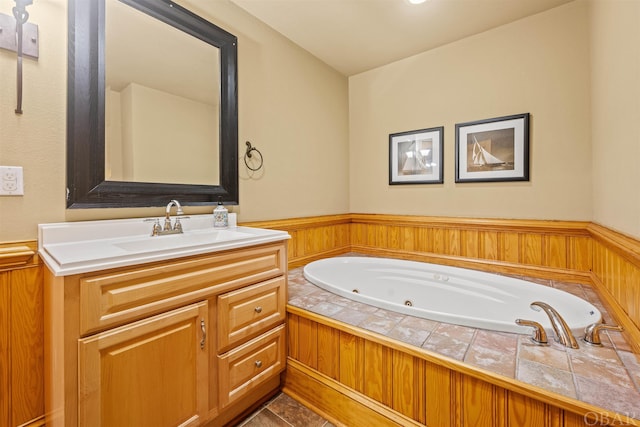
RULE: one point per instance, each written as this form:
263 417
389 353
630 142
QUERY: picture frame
416 157
494 149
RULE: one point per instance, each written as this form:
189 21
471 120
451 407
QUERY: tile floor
283 411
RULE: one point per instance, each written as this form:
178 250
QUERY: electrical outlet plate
11 181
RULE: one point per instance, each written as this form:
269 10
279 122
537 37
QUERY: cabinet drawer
246 367
247 312
118 296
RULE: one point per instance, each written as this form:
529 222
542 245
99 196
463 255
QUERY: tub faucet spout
560 327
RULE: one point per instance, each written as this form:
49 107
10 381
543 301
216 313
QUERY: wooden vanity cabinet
187 342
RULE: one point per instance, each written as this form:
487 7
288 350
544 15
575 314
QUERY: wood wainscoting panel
476 402
550 249
555 251
580 253
27 344
387 383
508 247
5 346
328 360
351 361
376 384
312 238
440 395
21 345
408 385
523 411
616 273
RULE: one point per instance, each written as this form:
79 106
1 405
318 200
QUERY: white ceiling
353 36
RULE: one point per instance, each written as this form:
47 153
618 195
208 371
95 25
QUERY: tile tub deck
607 376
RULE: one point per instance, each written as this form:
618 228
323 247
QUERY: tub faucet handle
592 332
539 335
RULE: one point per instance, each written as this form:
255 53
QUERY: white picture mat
519 155
434 136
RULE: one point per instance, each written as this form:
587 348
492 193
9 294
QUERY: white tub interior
448 294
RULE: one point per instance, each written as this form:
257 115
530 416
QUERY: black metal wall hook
21 15
249 154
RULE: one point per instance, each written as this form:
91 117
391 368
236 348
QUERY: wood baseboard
337 403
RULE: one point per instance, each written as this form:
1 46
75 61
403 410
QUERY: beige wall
35 140
537 65
615 112
292 107
574 68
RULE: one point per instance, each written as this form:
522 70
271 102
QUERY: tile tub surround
607 377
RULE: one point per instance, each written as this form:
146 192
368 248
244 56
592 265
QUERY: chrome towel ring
251 151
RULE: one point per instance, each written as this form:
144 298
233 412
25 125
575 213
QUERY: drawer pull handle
258 309
204 334
258 364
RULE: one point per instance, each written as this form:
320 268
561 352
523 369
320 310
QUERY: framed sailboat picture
493 149
415 157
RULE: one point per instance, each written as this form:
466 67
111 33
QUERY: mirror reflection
162 101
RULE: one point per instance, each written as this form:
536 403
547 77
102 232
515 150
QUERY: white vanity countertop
81 247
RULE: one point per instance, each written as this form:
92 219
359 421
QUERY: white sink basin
81 247
190 238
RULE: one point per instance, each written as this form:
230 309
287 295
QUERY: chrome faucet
592 332
560 327
169 228
167 216
539 334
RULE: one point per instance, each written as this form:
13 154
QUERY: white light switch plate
11 181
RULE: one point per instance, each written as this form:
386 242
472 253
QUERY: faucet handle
177 226
539 335
592 332
156 228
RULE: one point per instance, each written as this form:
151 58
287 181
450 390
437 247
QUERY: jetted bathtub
448 294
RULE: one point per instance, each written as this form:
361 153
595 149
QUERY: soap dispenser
220 216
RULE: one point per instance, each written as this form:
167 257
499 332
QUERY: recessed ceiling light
416 1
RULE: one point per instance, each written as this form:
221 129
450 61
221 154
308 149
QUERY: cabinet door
149 373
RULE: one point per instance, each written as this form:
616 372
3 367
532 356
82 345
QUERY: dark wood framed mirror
88 182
